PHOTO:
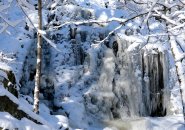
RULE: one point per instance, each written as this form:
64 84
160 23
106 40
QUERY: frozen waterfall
130 83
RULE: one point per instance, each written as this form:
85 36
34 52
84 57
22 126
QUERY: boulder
7 105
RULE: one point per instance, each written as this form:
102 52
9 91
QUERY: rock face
7 105
28 72
28 75
8 81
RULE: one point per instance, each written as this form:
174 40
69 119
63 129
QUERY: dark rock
10 82
115 47
7 105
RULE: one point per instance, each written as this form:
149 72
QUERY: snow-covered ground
159 123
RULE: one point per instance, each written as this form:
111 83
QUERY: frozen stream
147 123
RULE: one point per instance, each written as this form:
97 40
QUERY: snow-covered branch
4 7
166 18
11 23
177 27
150 12
120 20
110 33
26 4
4 27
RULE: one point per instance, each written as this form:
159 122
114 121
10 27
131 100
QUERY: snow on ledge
9 122
4 92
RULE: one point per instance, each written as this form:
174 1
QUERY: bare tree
39 58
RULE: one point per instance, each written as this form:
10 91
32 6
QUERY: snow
27 4
145 123
57 121
22 106
32 14
9 122
51 122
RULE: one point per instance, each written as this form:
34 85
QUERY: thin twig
166 18
150 12
36 29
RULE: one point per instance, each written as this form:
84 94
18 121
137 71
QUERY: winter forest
92 64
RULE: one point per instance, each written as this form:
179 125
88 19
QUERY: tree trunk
180 71
39 56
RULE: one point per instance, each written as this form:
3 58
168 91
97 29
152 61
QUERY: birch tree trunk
39 56
180 70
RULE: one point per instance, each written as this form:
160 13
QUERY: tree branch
166 18
13 24
150 12
4 27
36 29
